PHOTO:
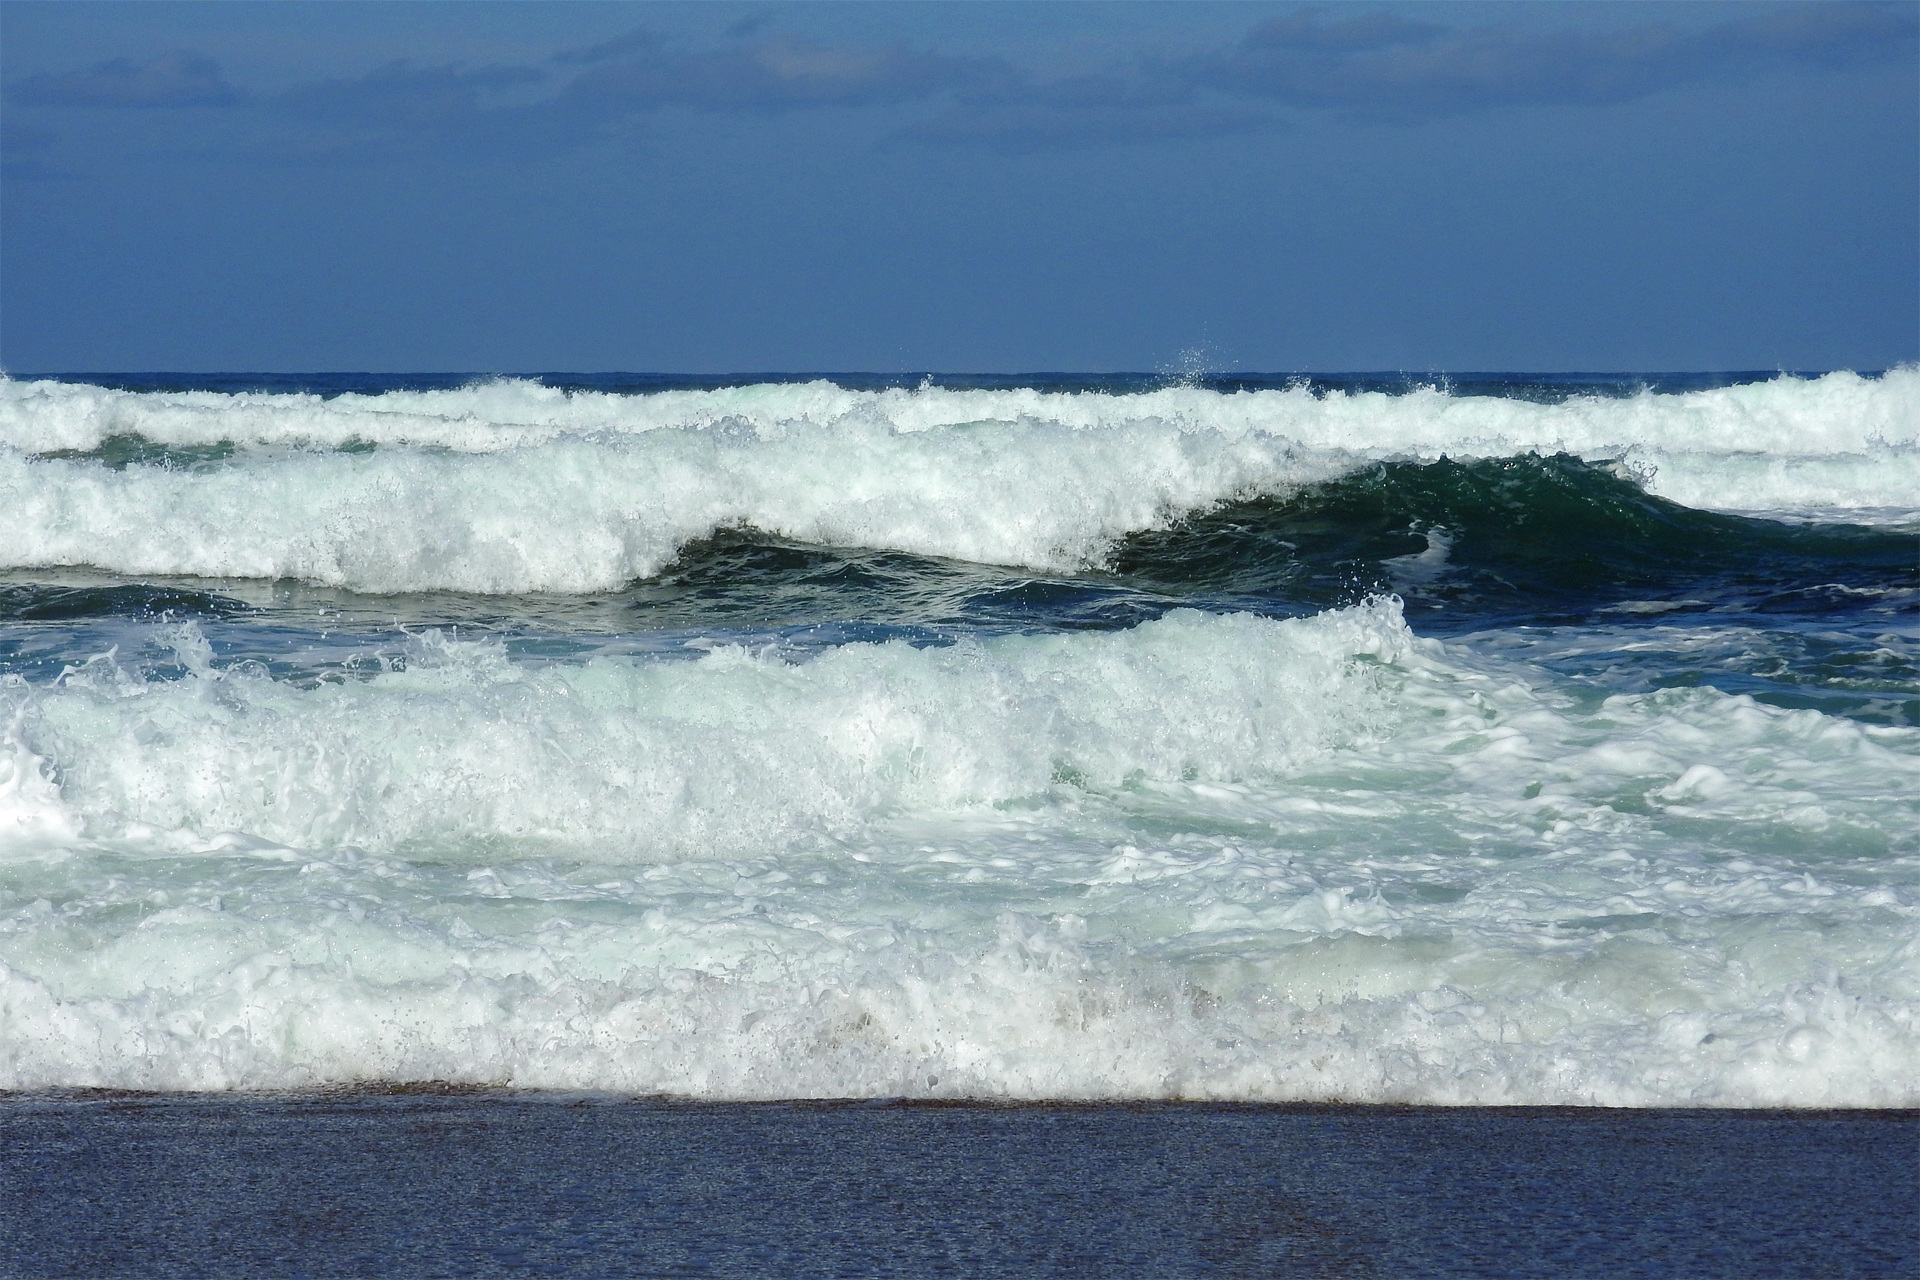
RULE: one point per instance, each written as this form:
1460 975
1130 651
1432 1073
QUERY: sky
978 187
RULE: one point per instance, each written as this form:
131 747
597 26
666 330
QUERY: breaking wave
511 487
1212 856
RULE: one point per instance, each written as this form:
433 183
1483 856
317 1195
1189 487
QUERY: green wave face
1529 537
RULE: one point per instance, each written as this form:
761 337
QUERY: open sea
1499 740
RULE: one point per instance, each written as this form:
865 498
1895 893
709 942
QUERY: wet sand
426 1181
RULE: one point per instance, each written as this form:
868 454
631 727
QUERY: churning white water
1210 855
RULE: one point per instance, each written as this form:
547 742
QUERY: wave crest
511 487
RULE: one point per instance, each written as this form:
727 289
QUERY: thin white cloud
178 79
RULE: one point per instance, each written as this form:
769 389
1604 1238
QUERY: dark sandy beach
425 1182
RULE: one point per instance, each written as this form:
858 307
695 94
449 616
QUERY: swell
511 487
1534 539
1465 543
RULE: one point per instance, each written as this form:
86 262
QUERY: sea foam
1834 413
511 487
1213 856
736 752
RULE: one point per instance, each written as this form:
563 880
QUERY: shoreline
443 1089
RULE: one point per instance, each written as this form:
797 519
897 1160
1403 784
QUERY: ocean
1484 739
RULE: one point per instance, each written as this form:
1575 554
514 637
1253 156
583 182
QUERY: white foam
578 516
1834 413
32 814
1211 857
734 753
513 487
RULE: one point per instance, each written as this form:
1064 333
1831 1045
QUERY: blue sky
968 187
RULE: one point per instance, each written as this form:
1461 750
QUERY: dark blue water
1539 387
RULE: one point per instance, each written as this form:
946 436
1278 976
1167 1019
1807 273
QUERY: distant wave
1834 413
